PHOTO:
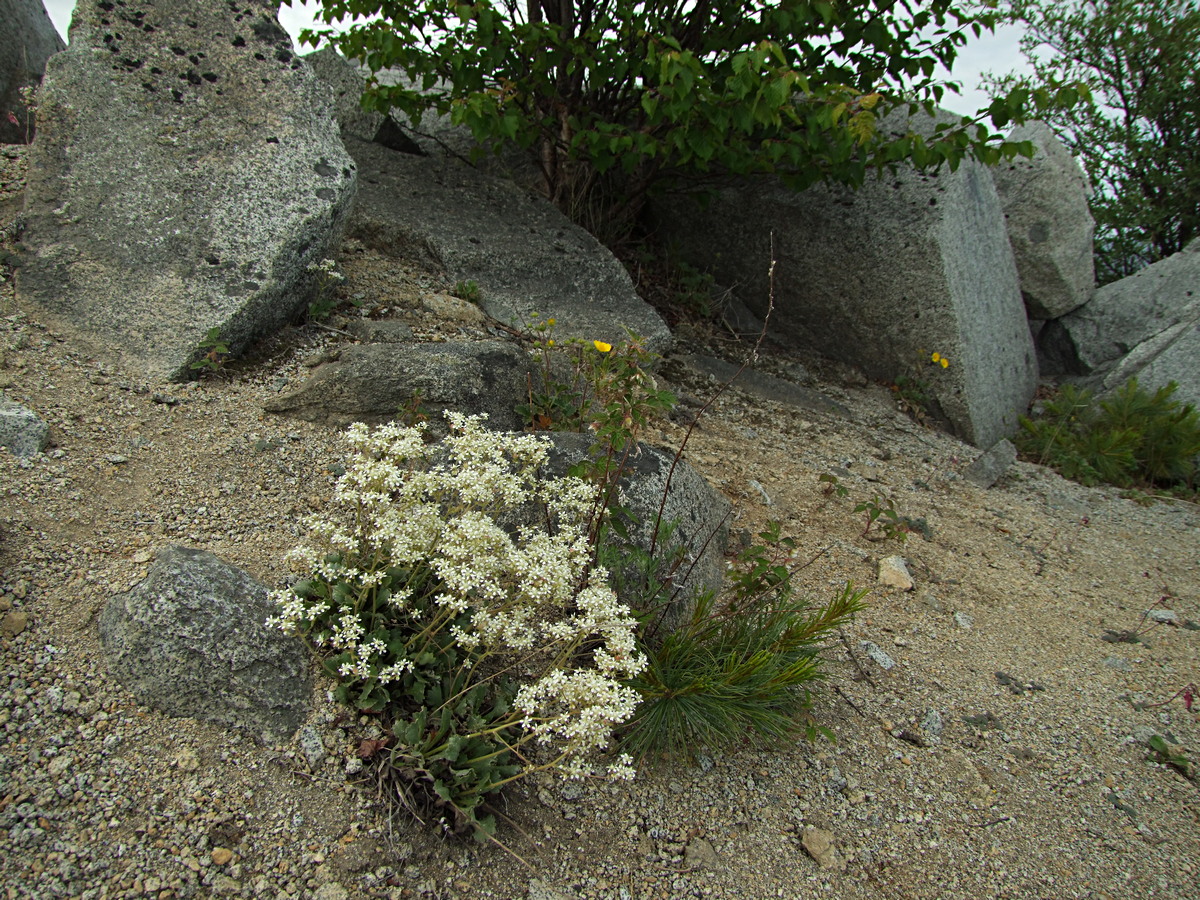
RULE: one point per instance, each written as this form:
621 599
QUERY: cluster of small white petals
403 502
395 671
467 639
621 770
327 268
576 710
359 668
372 648
294 611
347 631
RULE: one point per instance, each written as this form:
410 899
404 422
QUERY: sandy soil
1002 753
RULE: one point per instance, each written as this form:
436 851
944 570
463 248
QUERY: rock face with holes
191 640
1045 202
187 172
880 278
27 40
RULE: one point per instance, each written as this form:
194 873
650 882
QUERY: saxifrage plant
452 589
325 279
615 96
468 599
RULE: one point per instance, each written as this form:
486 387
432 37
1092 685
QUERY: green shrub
1132 439
735 669
468 290
612 96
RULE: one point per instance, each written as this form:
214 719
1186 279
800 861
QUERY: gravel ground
989 742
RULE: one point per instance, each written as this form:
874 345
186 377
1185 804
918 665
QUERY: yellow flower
601 346
550 322
940 360
550 343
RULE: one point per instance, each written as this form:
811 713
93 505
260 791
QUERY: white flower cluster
576 710
528 590
327 269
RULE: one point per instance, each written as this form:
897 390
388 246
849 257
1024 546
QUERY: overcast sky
995 53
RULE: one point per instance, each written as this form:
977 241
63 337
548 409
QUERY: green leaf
453 748
624 91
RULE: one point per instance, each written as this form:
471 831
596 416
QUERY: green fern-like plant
1169 431
1134 438
737 667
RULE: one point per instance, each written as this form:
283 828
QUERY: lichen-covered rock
1141 326
27 40
1045 201
372 383
187 171
880 278
528 260
191 640
21 431
694 519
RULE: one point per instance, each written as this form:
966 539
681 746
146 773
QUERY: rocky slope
989 741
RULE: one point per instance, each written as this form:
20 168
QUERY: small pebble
876 653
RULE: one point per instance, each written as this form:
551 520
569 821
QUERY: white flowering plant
326 278
452 588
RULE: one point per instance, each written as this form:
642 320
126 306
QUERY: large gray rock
343 79
372 383
700 514
21 431
880 278
27 39
1172 355
1045 201
347 83
1161 346
529 262
191 640
1137 318
187 171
